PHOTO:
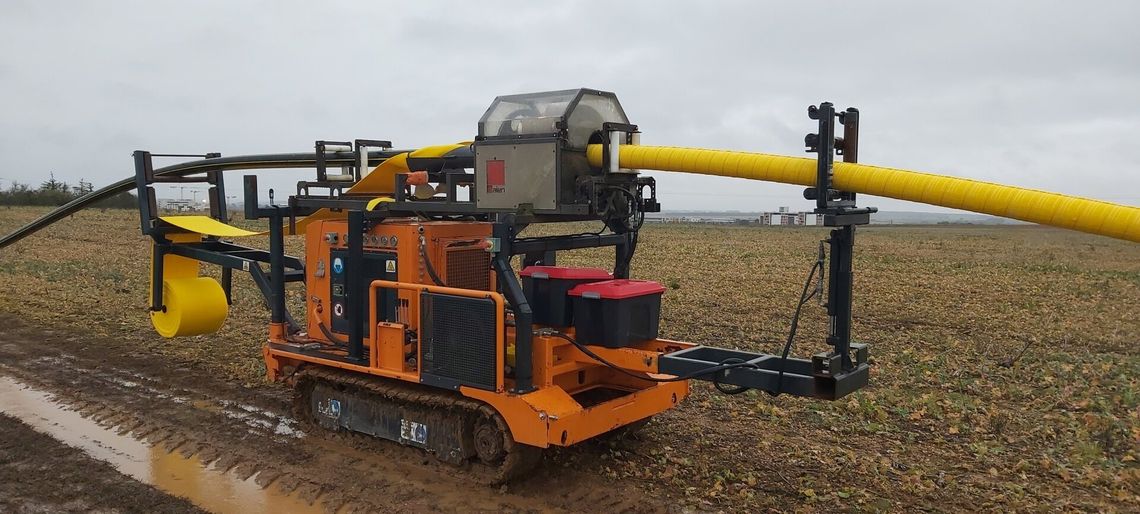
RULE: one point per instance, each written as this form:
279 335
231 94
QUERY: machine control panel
377 266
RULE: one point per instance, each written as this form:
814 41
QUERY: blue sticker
338 266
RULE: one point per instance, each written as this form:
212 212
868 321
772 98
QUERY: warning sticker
496 176
390 266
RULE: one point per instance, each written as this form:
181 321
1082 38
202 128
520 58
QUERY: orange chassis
575 397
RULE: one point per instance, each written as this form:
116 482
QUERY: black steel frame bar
558 243
357 291
839 210
800 377
504 231
277 267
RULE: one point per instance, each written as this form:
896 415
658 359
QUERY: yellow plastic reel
193 305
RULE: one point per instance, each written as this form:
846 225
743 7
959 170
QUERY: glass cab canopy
580 112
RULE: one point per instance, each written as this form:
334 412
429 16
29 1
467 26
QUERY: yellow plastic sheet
1085 215
206 225
197 305
382 179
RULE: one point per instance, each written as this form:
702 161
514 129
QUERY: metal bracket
613 136
826 145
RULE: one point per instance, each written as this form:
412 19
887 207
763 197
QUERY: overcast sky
1030 93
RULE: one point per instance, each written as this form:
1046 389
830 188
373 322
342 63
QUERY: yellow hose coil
1085 215
194 306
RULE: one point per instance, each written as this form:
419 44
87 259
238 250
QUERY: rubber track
520 458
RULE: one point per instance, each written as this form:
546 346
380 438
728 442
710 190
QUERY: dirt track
250 431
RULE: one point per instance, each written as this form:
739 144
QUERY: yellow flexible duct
1085 215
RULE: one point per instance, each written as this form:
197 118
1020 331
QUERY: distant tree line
54 192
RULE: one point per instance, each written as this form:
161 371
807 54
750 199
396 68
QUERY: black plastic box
546 287
617 313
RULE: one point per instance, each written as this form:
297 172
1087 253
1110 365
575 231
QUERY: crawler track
495 457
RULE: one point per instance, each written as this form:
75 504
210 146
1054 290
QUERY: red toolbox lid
563 272
617 289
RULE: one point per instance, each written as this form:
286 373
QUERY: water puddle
211 489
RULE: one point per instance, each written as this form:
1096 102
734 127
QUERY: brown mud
183 476
228 437
41 474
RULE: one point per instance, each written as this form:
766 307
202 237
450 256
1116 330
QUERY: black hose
343 343
427 265
805 297
723 388
237 162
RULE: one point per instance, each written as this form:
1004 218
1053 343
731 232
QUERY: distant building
167 204
784 217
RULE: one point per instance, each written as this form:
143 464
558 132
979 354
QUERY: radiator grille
469 268
458 337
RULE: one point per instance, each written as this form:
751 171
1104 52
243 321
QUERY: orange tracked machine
431 318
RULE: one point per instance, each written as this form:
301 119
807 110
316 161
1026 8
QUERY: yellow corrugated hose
1071 212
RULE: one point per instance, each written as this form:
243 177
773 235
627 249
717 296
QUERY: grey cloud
1040 94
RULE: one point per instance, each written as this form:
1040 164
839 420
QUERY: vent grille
469 268
458 337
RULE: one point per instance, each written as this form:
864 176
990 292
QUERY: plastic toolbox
546 289
617 313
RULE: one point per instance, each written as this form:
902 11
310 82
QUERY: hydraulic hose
1071 212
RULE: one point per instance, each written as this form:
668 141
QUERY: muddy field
1004 377
79 483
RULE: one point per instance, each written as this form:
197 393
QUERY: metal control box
377 266
513 174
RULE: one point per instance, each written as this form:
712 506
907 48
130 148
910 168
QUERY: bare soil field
1005 377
